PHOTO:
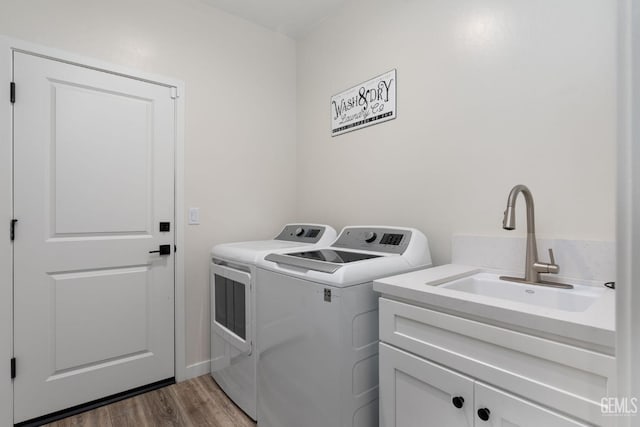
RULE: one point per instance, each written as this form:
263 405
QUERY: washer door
231 302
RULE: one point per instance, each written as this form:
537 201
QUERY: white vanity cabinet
439 369
416 392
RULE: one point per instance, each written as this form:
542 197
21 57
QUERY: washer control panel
305 233
391 240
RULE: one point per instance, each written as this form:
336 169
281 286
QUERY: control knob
299 231
370 237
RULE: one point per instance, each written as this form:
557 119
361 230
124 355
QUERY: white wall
240 105
490 94
627 294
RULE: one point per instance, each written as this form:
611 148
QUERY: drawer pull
483 414
458 401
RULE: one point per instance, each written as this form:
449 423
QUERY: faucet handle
550 267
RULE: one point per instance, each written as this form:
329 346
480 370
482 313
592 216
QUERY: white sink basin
578 299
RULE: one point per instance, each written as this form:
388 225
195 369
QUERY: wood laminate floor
197 402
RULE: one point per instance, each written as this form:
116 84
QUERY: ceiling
291 17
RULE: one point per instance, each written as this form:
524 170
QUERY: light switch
194 216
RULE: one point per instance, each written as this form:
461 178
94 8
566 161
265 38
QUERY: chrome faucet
533 267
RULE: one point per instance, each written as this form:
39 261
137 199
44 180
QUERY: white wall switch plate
194 216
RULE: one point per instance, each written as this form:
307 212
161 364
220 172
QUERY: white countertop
594 327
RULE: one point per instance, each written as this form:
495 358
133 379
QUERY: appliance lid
361 254
322 260
257 246
333 256
293 237
251 252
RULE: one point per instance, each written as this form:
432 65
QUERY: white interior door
93 177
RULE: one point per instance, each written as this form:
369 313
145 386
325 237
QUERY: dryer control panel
390 240
304 233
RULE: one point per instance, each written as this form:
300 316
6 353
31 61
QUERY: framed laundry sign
366 104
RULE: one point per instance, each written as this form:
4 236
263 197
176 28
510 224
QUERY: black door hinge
12 92
175 249
12 231
13 367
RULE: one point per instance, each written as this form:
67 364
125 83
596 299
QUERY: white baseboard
197 369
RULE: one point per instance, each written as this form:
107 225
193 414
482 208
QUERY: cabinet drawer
413 390
551 373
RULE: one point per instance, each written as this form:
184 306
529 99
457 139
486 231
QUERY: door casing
7 47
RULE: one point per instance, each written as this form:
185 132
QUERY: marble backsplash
587 261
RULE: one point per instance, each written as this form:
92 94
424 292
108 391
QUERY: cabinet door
415 392
506 410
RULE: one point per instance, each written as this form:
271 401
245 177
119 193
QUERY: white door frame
628 205
7 47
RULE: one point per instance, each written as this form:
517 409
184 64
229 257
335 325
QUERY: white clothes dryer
233 306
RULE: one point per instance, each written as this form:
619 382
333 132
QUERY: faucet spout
509 220
533 267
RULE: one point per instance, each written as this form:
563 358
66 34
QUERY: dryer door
231 306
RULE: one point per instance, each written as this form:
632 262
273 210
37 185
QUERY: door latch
162 250
12 231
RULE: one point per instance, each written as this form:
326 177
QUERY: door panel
507 410
415 392
112 156
233 363
231 302
84 302
93 177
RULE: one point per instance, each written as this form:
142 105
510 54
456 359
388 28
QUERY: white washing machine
318 327
233 309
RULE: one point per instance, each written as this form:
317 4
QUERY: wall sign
366 104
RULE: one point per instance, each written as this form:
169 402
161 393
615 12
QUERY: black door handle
162 250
